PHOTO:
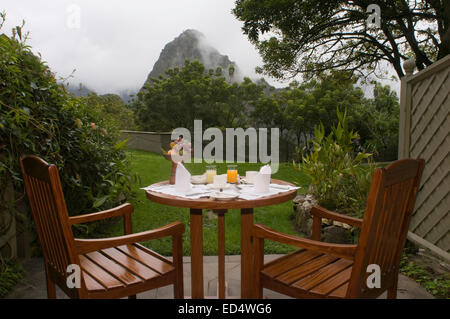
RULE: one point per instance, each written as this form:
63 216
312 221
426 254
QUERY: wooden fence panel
425 133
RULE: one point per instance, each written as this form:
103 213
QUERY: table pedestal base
197 253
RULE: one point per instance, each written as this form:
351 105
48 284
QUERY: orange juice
232 174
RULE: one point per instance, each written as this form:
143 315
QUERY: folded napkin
182 179
220 180
262 180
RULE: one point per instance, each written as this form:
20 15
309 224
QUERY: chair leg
258 246
392 292
51 288
178 290
178 286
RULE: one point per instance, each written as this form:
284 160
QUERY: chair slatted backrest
50 215
385 225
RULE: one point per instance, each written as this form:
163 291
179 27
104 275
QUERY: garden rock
332 231
303 219
336 234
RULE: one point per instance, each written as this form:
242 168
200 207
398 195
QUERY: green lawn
151 168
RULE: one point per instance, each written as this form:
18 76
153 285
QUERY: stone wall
154 141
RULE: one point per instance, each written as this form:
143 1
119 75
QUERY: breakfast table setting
220 193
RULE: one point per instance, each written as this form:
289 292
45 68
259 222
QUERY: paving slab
33 285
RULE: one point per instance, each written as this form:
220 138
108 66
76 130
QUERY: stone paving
33 285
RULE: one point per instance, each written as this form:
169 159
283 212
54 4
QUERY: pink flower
93 126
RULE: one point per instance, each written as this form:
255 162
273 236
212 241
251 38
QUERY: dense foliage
10 274
380 123
112 109
191 93
339 179
310 36
37 116
300 107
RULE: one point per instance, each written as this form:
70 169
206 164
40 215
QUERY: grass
152 168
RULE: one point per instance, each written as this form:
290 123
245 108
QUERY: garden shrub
340 177
10 274
38 116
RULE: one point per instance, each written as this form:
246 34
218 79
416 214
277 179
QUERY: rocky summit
192 45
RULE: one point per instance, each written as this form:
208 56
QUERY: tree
38 116
297 109
190 93
310 36
381 120
113 109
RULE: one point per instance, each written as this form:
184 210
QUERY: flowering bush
38 116
340 177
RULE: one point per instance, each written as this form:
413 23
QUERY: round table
196 207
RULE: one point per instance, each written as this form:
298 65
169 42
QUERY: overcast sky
114 44
118 41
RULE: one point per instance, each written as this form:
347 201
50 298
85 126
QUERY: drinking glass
232 174
210 173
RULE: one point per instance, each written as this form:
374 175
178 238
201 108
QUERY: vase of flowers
175 154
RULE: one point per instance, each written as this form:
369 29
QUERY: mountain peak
192 33
192 45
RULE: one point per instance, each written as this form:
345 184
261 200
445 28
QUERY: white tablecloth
244 191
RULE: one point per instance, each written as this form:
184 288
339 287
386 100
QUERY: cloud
118 42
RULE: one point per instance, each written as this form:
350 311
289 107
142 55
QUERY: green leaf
100 201
120 145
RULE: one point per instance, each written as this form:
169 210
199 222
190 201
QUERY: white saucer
224 196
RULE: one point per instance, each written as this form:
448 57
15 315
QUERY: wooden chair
327 270
109 268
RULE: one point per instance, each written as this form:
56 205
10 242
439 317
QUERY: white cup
250 176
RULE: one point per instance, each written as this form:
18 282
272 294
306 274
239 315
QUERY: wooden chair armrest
122 210
325 213
338 250
82 246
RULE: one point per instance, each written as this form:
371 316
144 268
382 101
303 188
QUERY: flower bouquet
175 155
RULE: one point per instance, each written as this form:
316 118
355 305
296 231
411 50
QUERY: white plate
212 186
279 186
224 196
198 179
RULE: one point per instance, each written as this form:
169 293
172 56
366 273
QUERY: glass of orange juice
232 174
